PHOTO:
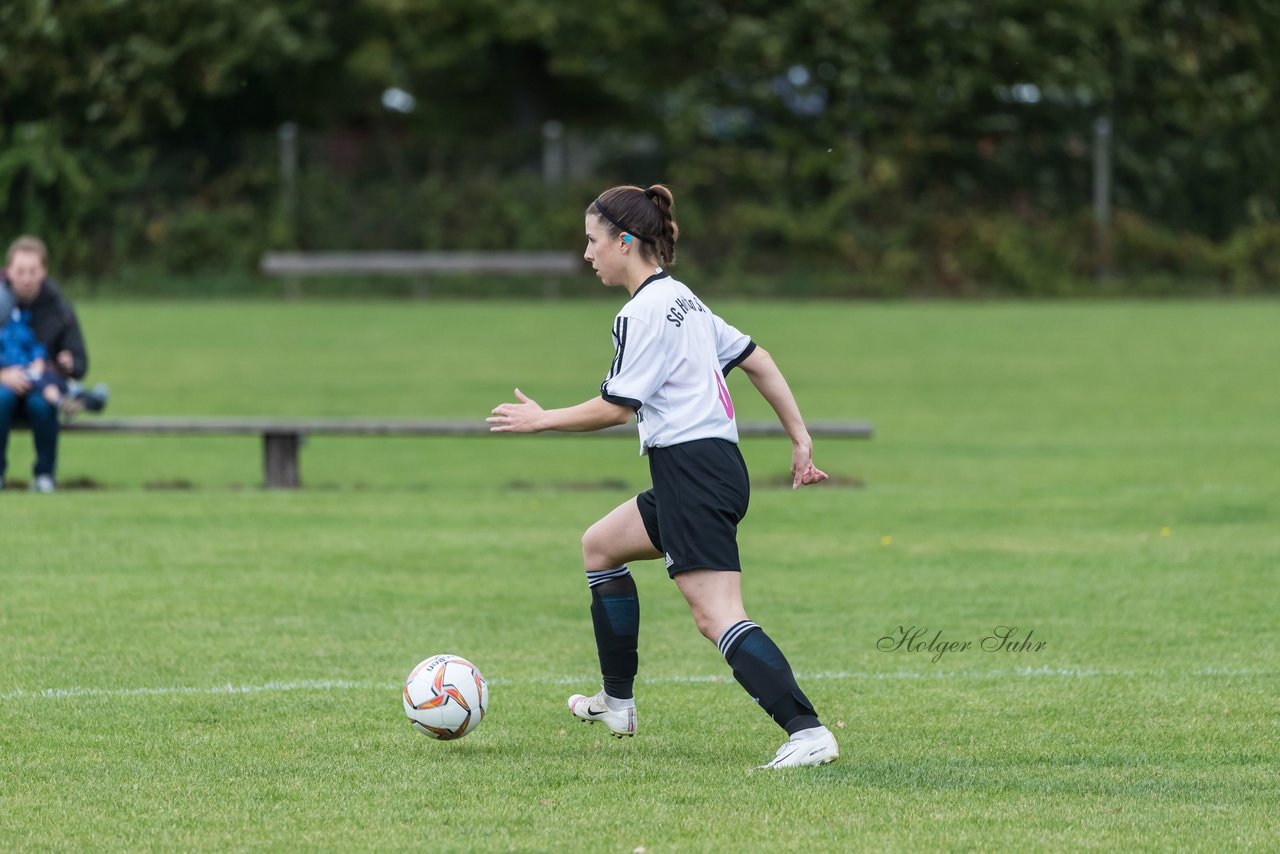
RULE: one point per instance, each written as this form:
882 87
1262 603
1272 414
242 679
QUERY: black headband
604 213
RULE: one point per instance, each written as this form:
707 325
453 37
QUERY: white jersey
671 355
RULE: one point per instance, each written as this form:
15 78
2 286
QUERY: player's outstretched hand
519 417
803 471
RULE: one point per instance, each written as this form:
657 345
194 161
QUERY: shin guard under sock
762 669
615 614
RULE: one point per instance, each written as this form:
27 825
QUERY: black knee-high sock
762 669
615 613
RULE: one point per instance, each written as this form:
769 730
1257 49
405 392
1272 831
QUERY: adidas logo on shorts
667 556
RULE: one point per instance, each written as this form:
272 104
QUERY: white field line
321 685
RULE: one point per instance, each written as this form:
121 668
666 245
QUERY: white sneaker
42 483
591 709
816 746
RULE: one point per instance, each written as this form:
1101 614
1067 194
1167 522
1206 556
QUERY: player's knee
712 622
707 626
595 553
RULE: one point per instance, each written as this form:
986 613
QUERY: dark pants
43 416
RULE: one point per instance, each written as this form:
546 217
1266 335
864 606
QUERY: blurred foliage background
832 147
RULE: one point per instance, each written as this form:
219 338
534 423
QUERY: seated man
26 283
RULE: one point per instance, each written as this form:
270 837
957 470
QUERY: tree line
938 144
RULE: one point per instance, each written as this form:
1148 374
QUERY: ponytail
668 231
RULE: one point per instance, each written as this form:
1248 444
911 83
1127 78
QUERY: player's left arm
772 385
528 417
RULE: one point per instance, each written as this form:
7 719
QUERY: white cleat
591 709
816 746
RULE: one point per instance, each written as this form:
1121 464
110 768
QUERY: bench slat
244 426
409 263
281 437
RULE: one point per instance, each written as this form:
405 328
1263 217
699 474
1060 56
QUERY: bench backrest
417 263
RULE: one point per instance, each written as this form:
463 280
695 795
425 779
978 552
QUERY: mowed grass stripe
320 685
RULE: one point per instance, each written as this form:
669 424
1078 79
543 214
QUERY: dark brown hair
646 215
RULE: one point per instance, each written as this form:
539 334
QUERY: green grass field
193 663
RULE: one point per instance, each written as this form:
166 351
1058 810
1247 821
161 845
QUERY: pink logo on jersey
725 400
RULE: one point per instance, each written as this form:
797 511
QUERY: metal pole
1102 193
288 137
553 154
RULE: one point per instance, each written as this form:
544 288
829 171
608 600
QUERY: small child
18 346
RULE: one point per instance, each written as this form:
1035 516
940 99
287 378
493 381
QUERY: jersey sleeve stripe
620 344
620 401
613 366
746 351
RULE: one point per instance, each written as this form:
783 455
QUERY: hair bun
650 193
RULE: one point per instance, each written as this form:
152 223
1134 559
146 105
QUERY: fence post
288 137
1102 194
288 140
553 154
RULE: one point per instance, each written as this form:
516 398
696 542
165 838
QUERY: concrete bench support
280 460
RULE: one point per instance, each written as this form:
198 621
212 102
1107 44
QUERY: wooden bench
282 437
294 266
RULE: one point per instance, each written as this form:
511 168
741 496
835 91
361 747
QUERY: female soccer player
671 354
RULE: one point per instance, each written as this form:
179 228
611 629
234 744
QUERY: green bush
1253 257
1142 246
842 246
195 238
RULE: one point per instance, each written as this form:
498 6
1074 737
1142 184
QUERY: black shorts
700 494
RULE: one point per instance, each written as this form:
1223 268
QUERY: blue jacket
18 344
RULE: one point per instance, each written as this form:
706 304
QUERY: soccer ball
445 697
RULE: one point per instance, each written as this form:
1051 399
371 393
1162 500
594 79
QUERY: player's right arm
528 417
772 385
